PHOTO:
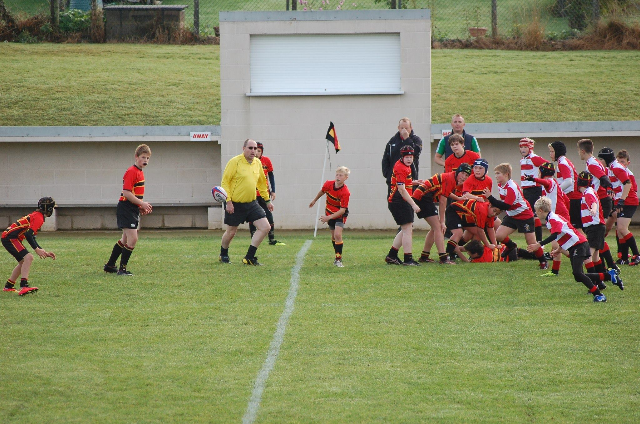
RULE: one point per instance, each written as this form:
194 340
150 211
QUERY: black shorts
453 221
127 215
16 248
522 225
575 212
595 235
244 212
333 223
627 211
607 206
580 251
427 207
402 212
532 194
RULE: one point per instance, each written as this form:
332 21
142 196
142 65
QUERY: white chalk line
278 338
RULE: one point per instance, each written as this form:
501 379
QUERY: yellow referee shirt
240 179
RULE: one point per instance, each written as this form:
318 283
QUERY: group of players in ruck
578 208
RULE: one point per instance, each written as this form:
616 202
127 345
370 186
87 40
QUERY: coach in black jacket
404 136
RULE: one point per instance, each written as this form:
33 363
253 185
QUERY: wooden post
55 14
294 4
196 17
494 18
287 8
393 4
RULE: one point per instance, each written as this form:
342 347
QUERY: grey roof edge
115 131
505 129
326 15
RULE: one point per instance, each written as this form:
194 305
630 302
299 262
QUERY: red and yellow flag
333 137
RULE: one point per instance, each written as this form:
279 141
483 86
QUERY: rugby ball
219 194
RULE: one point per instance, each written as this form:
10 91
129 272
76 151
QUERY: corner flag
333 137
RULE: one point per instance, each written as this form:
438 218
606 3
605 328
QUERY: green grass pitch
184 339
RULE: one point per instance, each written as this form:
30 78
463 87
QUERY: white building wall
293 127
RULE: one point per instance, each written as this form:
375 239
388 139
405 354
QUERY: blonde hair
142 149
543 204
504 168
343 170
457 115
405 119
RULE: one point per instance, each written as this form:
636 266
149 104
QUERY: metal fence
451 19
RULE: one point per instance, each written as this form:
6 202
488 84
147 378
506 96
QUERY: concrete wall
293 127
82 170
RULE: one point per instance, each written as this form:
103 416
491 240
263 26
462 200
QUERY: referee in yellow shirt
241 176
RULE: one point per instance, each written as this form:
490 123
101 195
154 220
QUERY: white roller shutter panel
325 64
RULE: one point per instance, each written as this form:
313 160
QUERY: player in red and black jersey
460 155
402 207
267 167
336 209
26 228
439 188
474 186
130 206
472 216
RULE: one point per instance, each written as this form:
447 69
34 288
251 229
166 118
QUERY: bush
75 20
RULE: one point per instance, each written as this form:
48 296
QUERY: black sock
24 282
126 254
606 255
451 247
223 251
408 257
115 253
393 252
631 242
443 257
251 253
510 244
338 250
425 255
271 234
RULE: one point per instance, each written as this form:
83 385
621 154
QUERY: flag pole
321 183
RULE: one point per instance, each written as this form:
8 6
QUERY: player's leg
129 240
262 228
581 277
624 235
17 250
228 235
24 276
407 243
452 244
530 238
337 237
438 238
110 266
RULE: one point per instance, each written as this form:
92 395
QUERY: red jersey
401 176
337 198
567 235
475 186
620 176
452 162
511 193
489 255
589 199
267 167
18 229
559 201
597 170
530 167
566 170
474 212
133 181
436 186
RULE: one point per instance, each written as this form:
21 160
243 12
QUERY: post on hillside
393 4
196 17
55 14
287 7
494 18
294 4
595 12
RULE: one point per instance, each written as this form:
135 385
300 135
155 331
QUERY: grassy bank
143 84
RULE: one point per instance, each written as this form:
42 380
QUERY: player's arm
442 207
30 236
405 196
491 232
315 199
272 184
145 206
499 203
535 246
334 215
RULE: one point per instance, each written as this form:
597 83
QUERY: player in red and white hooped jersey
573 244
559 205
519 214
529 168
601 182
567 177
592 221
626 205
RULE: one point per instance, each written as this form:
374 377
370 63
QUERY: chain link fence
451 19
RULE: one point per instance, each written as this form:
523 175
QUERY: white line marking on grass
278 338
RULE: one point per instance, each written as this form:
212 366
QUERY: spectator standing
404 137
443 151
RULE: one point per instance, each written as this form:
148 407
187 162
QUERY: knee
27 259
